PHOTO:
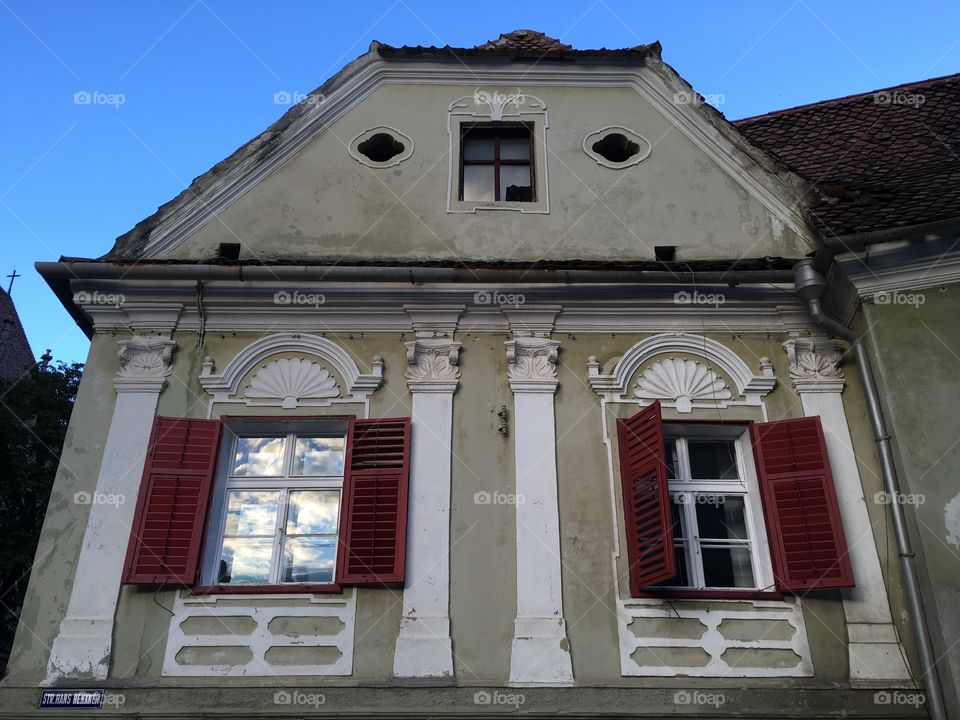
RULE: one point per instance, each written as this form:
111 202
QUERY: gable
308 196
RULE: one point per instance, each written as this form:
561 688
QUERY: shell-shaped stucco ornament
292 380
683 381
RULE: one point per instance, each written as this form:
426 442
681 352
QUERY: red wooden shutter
373 525
172 505
807 544
646 499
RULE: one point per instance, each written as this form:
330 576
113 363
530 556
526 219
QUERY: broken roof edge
135 240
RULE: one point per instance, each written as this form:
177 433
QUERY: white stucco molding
540 651
615 386
225 387
424 647
532 364
434 320
83 645
145 364
815 364
875 653
433 365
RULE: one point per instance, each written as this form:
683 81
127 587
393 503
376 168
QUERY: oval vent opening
616 148
380 147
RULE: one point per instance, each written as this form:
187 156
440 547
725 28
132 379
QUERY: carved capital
145 363
532 364
815 364
433 365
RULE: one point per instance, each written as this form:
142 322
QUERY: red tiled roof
526 40
884 159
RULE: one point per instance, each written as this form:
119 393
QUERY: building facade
476 384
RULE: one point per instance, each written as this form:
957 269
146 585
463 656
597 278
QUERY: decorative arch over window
671 370
291 370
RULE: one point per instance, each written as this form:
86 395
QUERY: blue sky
198 79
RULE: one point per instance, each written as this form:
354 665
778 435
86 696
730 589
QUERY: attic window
381 147
616 147
496 163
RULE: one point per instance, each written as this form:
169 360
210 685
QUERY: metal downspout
810 286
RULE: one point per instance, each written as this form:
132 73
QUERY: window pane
515 183
318 456
721 517
245 560
259 456
727 567
308 559
477 148
676 508
251 512
672 464
515 148
312 512
712 460
478 182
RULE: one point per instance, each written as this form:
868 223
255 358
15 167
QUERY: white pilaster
424 647
82 647
540 652
875 651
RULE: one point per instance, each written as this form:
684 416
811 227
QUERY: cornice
437 311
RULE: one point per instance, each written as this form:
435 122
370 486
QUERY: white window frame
466 111
746 486
284 483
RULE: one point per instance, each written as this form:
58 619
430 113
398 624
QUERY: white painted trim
83 645
355 153
263 610
712 642
540 651
225 387
592 138
424 647
360 79
457 113
388 308
872 657
616 386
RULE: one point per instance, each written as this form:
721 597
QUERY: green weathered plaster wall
58 550
910 343
325 203
483 536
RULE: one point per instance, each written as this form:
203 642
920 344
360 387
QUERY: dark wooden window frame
498 130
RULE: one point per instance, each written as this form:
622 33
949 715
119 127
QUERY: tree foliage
34 414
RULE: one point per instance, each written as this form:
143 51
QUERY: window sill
286 588
711 594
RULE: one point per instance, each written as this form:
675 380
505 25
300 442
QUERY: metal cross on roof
13 276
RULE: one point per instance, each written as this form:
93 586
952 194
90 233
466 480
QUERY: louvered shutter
172 504
807 545
373 526
646 499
